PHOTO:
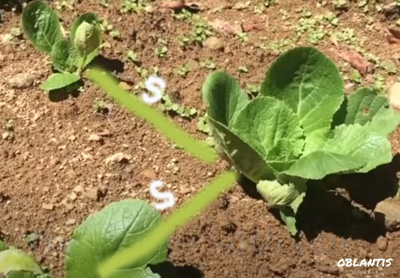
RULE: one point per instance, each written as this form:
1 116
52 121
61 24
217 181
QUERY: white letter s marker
155 90
161 195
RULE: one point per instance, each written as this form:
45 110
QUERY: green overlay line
174 221
153 116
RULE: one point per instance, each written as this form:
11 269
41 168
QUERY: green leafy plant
70 56
117 226
299 128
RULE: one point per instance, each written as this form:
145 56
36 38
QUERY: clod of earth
388 212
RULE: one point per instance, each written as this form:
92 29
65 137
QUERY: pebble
48 206
95 137
394 95
22 80
214 43
70 222
382 243
94 194
117 158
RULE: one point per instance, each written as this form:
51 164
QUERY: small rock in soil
70 222
388 212
148 173
118 158
22 80
95 137
394 95
332 270
382 243
95 194
78 188
214 43
48 206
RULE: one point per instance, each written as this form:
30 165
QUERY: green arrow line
137 106
173 222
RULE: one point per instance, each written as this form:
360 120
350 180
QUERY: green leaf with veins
59 80
366 107
116 227
41 26
17 260
64 56
224 97
271 121
309 83
87 17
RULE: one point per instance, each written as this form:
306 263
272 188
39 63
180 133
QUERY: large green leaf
362 143
319 164
116 227
365 106
309 83
353 148
264 122
17 260
59 80
41 25
64 56
246 160
224 97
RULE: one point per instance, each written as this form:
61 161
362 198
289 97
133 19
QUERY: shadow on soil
328 206
111 65
169 270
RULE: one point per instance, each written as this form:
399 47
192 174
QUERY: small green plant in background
70 56
120 224
167 105
298 128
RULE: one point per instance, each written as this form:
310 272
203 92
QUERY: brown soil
49 165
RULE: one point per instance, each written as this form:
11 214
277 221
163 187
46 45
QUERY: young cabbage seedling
70 56
296 129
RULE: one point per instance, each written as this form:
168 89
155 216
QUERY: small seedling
128 6
115 34
202 125
133 56
184 15
182 71
208 65
355 76
183 41
201 31
70 56
101 107
167 105
161 51
243 36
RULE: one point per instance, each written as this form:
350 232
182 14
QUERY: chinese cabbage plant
70 55
116 227
299 128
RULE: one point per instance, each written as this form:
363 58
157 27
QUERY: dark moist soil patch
49 168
